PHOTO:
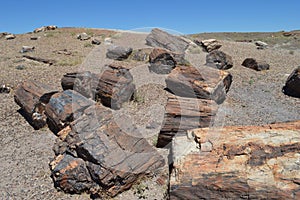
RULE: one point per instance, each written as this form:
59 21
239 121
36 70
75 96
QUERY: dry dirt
255 98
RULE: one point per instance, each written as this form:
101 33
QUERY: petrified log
113 87
114 158
257 65
65 107
183 114
32 97
161 61
201 82
218 59
42 60
292 85
237 163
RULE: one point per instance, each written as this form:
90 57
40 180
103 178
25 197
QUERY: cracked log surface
199 82
237 163
32 97
108 159
183 114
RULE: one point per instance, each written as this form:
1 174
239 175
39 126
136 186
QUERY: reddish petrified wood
201 82
237 163
32 97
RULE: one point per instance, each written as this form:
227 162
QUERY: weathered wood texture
237 163
32 97
42 60
201 82
65 107
183 114
292 85
113 87
114 158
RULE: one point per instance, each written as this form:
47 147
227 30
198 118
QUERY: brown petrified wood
65 107
238 163
183 114
32 97
112 87
95 143
42 60
199 82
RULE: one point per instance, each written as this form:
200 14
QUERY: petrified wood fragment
183 114
238 163
115 158
201 82
32 97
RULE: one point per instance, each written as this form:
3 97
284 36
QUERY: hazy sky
187 16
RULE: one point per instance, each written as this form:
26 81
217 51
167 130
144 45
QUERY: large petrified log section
201 82
292 85
238 163
94 155
32 97
65 107
113 87
183 114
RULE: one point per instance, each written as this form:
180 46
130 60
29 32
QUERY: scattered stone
10 37
3 34
292 85
96 41
202 82
65 107
45 28
26 49
5 89
159 38
20 67
141 54
64 51
287 34
183 114
247 162
108 41
257 65
42 60
118 53
161 61
261 45
219 59
113 87
83 36
209 45
101 158
32 97
34 38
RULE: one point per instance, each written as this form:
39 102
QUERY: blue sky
188 16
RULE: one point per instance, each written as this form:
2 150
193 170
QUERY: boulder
258 65
209 45
250 162
96 41
219 59
114 158
159 38
118 53
261 45
64 107
161 61
32 97
10 37
83 36
292 85
26 49
45 28
202 82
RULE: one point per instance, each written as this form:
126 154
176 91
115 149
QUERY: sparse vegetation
88 44
138 98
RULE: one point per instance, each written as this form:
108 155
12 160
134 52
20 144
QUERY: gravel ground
254 98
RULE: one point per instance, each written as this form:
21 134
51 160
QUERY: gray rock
257 65
209 45
292 85
118 53
219 59
83 36
159 38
